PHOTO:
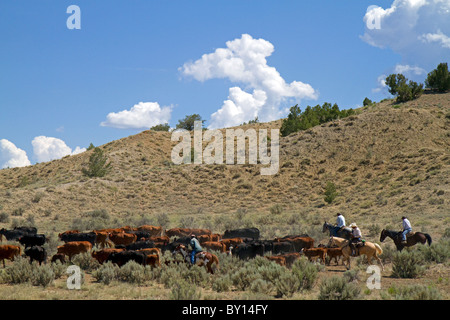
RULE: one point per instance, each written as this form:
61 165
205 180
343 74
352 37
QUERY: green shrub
42 276
20 271
306 272
338 288
438 252
106 273
132 272
85 261
287 284
407 264
97 166
414 292
398 86
261 286
244 277
222 283
183 290
330 192
439 78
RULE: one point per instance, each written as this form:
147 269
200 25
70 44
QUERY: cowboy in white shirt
356 237
340 223
406 228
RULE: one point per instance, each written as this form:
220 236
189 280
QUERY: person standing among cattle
356 237
406 228
195 245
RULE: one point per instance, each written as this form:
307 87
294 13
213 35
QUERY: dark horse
345 232
417 237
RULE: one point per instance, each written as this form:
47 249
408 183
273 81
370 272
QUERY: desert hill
385 161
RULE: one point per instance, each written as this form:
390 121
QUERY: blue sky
136 63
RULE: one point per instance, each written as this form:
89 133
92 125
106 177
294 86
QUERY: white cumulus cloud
11 156
143 115
50 148
418 30
243 61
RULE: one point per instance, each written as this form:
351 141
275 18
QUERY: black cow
140 234
282 247
82 236
121 258
37 253
138 245
242 233
12 235
27 230
248 250
32 240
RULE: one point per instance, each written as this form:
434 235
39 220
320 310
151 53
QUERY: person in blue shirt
195 245
340 223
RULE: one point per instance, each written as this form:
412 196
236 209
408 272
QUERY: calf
58 257
315 252
36 253
277 259
152 260
334 253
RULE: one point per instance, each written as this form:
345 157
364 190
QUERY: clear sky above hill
135 64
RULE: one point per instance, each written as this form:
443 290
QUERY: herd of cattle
145 244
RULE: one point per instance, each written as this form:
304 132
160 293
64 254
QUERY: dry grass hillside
386 161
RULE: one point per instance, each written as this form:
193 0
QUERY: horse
396 236
345 232
370 250
202 258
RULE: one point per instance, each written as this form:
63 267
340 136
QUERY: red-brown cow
277 259
232 242
123 238
8 251
185 232
76 247
215 245
103 254
152 230
315 252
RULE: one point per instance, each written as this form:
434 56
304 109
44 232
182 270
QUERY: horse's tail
428 238
378 248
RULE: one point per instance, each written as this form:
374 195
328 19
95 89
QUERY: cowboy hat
353 225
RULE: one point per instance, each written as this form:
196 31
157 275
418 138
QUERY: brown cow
101 239
185 232
298 242
152 260
315 252
72 248
148 251
67 232
277 259
215 245
290 257
232 242
334 253
159 239
152 230
103 254
123 238
8 251
209 237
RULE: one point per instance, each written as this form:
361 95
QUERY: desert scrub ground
418 273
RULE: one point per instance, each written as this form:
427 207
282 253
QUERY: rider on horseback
406 229
340 223
195 245
356 237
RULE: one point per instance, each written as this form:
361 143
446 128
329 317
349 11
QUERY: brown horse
417 237
370 250
202 258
